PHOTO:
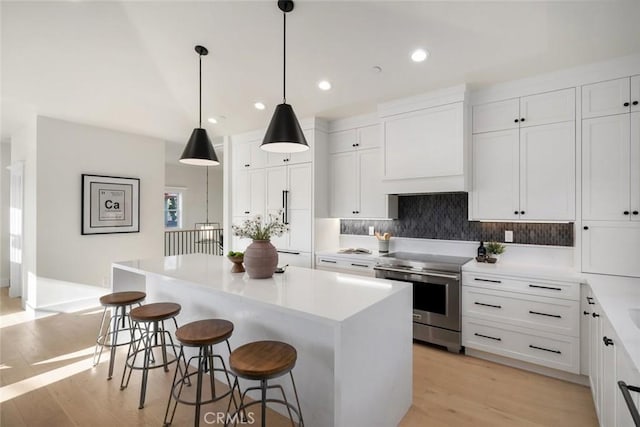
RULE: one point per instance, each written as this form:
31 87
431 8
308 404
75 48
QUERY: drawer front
346 265
553 315
545 288
550 350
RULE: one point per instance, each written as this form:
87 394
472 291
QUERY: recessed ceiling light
212 120
259 106
419 55
376 69
324 85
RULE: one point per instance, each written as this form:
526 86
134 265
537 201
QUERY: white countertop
324 294
616 296
524 270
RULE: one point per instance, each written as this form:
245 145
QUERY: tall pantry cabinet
611 176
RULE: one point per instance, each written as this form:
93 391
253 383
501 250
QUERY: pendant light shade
284 134
199 150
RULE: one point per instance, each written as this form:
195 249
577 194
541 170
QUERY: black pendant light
199 150
284 134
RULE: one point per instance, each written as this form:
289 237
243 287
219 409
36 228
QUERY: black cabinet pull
626 212
515 212
522 212
247 165
595 315
590 300
635 212
624 388
281 251
557 316
247 212
551 288
329 261
585 227
635 102
607 341
516 121
545 349
522 119
360 265
586 313
487 305
487 280
487 336
626 104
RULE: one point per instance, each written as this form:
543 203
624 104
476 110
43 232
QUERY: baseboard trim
519 364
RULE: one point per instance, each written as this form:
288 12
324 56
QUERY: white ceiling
131 65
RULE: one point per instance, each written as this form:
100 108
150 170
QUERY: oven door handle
421 273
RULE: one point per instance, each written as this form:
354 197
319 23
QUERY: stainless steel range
436 293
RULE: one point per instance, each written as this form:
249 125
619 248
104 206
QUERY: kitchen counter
353 334
616 295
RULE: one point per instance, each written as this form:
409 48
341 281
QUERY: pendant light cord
284 60
200 92
207 195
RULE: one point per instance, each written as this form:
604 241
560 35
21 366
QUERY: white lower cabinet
349 265
608 364
526 318
611 247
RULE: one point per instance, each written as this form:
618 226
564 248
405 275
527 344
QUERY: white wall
66 151
193 180
5 176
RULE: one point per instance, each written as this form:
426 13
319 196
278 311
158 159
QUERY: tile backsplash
444 216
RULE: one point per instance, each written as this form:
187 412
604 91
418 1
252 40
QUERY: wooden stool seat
263 359
122 298
204 332
155 312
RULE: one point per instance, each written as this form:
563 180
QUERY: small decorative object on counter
494 250
236 258
482 251
261 257
383 242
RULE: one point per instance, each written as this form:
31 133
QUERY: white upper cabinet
606 167
611 97
496 175
496 116
547 172
280 159
249 155
526 172
547 108
356 173
249 192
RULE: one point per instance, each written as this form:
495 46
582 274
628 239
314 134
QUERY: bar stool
119 302
203 334
152 316
262 361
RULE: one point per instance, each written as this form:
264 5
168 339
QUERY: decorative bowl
237 263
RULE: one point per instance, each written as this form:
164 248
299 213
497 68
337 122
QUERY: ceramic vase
260 259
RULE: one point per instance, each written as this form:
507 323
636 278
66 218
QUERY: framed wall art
110 204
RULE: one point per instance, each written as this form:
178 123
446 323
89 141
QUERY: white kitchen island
353 334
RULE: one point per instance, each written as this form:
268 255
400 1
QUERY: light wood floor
46 379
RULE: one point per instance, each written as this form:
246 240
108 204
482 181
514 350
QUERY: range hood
426 143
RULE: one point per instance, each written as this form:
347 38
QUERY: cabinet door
496 116
299 186
369 137
634 170
585 328
372 200
635 93
609 386
257 192
342 141
299 230
625 372
605 168
241 155
547 172
257 156
276 181
547 108
304 156
611 248
277 159
344 184
424 144
605 98
495 175
595 356
241 193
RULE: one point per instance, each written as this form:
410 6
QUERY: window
172 209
